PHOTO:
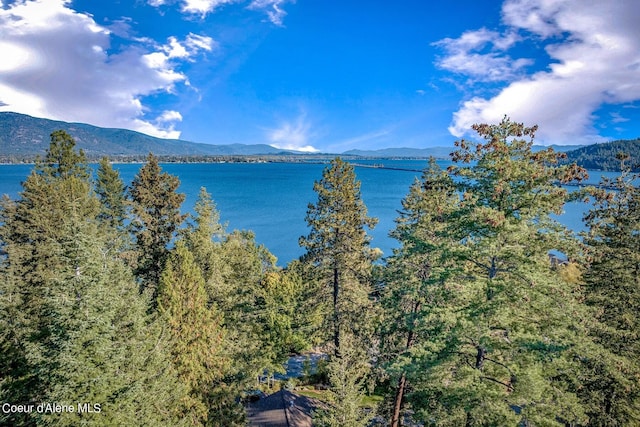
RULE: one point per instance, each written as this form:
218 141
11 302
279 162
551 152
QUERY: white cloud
203 7
481 55
169 116
292 136
55 65
273 9
595 60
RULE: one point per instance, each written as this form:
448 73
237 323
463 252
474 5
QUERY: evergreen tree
80 332
339 253
612 279
506 329
204 235
232 266
61 159
338 247
237 292
156 217
197 334
347 375
253 296
413 274
111 193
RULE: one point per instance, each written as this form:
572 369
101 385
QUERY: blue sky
326 75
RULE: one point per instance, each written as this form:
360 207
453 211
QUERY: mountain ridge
23 135
604 156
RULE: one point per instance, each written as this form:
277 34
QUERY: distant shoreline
249 158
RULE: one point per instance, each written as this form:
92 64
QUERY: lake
271 198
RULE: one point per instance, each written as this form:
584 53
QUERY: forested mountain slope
22 135
604 156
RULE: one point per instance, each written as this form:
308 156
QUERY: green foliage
197 334
604 156
204 235
612 279
500 332
156 217
347 375
111 193
338 253
290 318
61 160
236 292
413 274
338 247
75 328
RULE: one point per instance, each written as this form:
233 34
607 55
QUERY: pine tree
612 280
156 218
413 274
506 331
339 253
338 247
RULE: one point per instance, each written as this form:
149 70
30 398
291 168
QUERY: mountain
23 135
558 148
603 156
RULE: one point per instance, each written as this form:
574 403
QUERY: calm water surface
271 198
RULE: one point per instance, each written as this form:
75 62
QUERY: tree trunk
402 382
336 317
397 404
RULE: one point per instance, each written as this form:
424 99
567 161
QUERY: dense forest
117 309
605 156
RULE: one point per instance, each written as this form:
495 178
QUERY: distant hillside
558 148
437 152
23 136
603 156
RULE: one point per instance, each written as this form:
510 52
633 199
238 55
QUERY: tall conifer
338 251
82 334
338 246
156 218
111 193
197 334
506 331
612 279
413 275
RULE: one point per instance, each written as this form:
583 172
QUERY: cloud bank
594 60
56 65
